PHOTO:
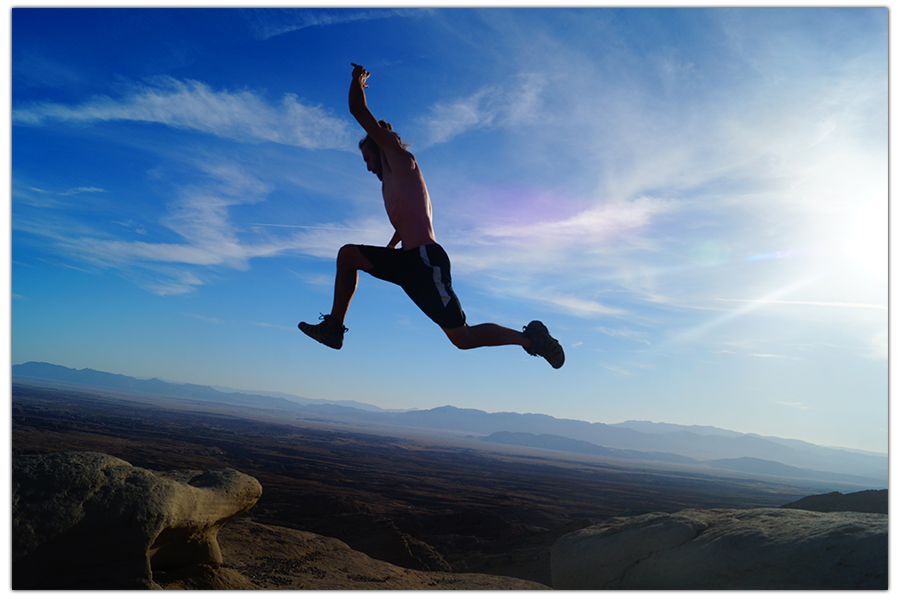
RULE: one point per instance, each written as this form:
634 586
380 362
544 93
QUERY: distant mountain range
744 464
160 388
709 446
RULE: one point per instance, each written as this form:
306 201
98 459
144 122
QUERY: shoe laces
327 319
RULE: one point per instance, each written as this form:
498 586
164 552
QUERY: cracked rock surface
722 549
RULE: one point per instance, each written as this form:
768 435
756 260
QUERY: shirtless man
421 266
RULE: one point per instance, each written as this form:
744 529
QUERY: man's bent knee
348 252
460 337
350 257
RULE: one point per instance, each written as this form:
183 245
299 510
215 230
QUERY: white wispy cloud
272 22
572 305
46 197
512 104
239 115
204 318
813 303
324 241
615 369
795 404
625 333
31 70
199 217
598 224
204 238
77 190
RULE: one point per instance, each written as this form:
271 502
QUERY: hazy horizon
694 201
368 406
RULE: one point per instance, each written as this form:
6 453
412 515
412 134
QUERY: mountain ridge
666 441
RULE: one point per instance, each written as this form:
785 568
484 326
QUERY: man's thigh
350 256
388 264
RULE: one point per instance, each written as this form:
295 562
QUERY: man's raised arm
360 110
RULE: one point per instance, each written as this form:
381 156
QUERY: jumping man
420 266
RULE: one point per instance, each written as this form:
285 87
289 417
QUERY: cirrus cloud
242 115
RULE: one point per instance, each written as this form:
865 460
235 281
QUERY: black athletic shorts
424 274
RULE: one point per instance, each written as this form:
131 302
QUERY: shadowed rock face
93 521
279 558
722 549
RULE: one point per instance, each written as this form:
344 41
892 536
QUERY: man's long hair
369 142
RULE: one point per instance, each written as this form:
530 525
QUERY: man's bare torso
406 200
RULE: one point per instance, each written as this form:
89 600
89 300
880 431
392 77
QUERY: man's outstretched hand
359 73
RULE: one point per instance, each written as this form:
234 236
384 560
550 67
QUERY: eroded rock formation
93 521
723 549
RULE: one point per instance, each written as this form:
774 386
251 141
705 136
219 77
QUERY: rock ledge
726 549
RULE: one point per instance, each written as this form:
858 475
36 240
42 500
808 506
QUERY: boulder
724 549
85 520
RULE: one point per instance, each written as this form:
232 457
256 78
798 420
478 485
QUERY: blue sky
693 201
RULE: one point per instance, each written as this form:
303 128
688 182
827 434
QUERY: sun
866 242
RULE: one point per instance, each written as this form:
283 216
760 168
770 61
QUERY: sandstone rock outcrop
92 521
723 549
289 559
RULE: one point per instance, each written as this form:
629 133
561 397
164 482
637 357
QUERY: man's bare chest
404 195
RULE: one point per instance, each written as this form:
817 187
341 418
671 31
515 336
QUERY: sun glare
866 243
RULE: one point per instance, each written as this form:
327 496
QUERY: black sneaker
326 332
544 345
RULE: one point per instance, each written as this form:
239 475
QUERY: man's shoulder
402 162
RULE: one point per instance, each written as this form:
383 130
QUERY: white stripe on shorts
436 276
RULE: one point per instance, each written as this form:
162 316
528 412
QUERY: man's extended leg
350 261
534 338
485 335
330 331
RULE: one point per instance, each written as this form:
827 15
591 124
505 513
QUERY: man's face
373 160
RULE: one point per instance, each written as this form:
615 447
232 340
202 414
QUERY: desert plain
425 500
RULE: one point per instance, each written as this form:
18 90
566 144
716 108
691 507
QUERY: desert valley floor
424 501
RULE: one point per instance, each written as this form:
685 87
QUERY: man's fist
359 73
